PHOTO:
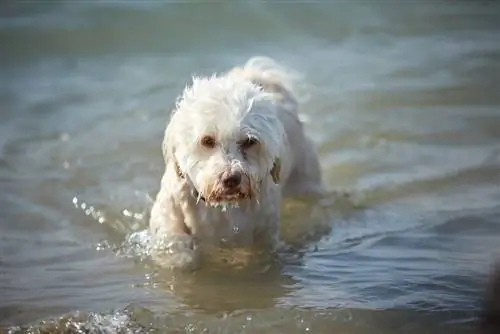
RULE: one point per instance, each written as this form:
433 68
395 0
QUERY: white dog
233 148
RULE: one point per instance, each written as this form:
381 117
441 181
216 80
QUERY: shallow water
405 113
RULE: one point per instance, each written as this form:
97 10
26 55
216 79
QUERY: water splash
89 210
139 319
136 245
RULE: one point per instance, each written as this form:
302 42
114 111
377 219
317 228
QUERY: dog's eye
247 143
208 141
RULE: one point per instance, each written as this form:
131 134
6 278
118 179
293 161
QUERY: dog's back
290 91
287 85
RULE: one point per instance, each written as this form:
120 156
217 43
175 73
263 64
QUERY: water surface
404 112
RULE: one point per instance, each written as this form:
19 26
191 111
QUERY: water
405 114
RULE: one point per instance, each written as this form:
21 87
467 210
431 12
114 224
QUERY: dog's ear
275 171
168 152
178 170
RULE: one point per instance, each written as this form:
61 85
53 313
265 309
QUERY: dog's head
224 138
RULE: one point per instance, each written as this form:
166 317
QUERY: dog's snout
232 180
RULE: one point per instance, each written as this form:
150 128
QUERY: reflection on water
405 115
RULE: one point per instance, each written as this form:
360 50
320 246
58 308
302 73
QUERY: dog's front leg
172 245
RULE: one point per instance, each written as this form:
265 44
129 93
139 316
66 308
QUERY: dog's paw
177 251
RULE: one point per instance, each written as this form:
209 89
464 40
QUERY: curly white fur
241 124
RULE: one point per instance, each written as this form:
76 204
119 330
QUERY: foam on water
137 319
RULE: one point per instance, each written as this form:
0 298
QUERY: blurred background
404 110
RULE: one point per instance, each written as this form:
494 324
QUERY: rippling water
405 113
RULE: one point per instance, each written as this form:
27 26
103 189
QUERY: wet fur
257 100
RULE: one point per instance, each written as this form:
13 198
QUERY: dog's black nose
232 180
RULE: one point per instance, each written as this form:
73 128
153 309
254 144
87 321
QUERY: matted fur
258 101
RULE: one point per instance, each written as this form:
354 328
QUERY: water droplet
101 246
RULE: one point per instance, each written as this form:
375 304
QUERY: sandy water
405 114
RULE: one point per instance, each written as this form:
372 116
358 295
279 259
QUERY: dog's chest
232 226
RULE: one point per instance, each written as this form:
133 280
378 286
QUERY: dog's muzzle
231 194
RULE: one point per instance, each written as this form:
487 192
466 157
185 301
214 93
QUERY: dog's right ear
168 149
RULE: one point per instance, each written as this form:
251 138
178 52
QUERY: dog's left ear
275 171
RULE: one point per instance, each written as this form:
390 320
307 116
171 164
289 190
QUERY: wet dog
233 148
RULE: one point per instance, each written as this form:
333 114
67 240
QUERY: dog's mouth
223 201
